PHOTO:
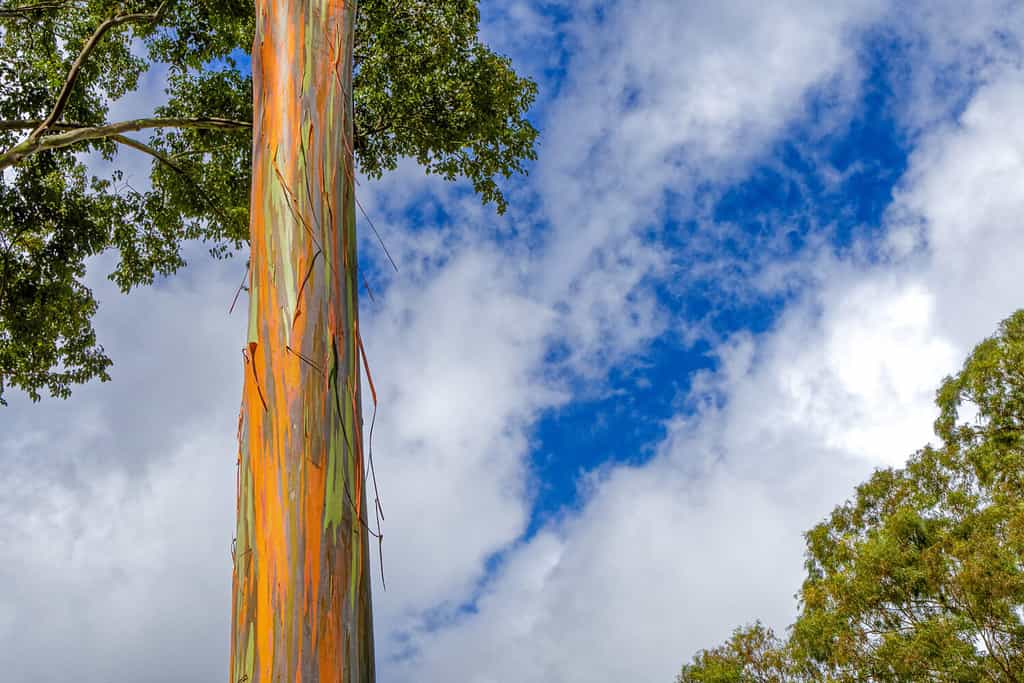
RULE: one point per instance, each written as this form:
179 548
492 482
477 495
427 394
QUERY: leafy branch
40 138
171 164
83 56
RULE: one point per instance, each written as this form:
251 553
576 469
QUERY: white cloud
119 502
964 185
600 179
109 570
650 565
116 507
667 558
663 94
951 48
454 359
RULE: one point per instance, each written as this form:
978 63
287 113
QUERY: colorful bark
301 602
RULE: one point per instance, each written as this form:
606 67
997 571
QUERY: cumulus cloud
586 287
116 511
667 558
456 362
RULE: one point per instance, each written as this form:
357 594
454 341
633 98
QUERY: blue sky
783 187
755 239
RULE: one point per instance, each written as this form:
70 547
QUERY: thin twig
302 287
378 506
199 152
348 442
380 562
379 511
373 419
255 377
335 58
367 286
293 204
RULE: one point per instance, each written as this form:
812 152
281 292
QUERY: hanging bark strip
301 600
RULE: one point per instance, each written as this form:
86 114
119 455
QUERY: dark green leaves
50 224
425 87
54 214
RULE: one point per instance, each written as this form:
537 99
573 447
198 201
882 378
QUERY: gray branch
72 133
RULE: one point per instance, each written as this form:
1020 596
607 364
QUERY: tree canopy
424 86
920 577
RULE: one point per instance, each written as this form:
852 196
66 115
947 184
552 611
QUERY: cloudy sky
757 236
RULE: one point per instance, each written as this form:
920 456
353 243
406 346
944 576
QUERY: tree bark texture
301 594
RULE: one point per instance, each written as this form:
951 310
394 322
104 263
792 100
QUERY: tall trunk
301 601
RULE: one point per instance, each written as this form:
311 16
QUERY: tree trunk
301 598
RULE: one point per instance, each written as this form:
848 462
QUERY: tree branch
73 133
83 55
164 159
151 151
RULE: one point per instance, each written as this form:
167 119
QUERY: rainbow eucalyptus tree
267 156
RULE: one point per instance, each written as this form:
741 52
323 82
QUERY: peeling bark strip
301 601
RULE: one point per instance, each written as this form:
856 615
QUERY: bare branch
73 134
83 55
155 153
18 125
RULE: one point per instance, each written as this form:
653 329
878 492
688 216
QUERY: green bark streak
250 655
252 336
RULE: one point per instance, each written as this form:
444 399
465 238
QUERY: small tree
921 576
330 85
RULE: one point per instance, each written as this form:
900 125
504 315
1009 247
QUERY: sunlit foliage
920 576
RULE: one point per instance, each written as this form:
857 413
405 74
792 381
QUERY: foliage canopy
920 577
424 87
